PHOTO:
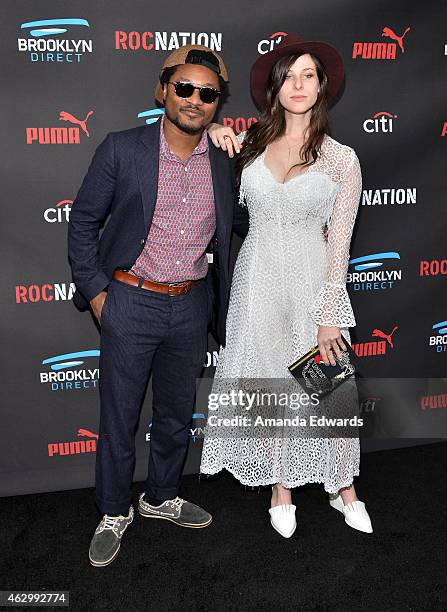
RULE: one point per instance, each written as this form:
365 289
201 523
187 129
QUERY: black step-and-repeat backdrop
74 71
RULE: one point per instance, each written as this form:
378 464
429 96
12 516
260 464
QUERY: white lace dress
287 281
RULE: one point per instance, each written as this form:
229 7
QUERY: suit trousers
144 333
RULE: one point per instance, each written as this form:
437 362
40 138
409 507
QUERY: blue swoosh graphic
58 358
361 261
153 115
198 415
46 31
367 266
440 328
65 364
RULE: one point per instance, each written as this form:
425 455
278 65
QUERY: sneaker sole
104 563
167 518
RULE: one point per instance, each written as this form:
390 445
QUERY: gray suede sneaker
106 540
178 510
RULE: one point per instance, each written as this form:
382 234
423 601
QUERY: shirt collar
201 148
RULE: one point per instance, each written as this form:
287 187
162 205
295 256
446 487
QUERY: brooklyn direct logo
59 135
74 447
366 277
196 430
45 42
165 41
392 195
380 50
439 339
373 348
268 44
65 374
152 115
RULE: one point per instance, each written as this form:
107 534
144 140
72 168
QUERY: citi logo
63 377
60 213
59 135
380 50
48 292
434 267
439 340
379 123
368 404
165 41
375 347
151 116
42 47
239 124
75 447
383 197
366 278
268 44
444 129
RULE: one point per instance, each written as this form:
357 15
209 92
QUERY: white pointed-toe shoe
355 513
283 519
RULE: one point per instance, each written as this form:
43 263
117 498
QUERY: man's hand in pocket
97 303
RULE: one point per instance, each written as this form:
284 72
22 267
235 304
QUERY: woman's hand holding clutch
330 341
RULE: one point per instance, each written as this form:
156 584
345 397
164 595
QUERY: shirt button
186 168
182 231
184 200
177 262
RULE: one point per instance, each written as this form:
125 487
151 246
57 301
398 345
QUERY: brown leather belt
169 288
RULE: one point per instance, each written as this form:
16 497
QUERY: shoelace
177 503
110 522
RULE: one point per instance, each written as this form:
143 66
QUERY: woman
289 285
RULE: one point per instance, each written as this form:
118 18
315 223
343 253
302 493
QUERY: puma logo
390 34
64 116
378 333
87 433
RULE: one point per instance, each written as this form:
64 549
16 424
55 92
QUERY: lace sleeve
332 305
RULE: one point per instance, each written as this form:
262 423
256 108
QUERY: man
169 194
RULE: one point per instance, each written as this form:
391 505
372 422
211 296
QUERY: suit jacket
120 192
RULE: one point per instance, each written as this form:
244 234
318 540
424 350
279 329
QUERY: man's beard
188 129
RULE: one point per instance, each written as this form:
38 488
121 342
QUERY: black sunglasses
185 90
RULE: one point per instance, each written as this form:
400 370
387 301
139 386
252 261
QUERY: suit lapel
147 164
220 175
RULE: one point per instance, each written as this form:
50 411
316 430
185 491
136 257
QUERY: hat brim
326 53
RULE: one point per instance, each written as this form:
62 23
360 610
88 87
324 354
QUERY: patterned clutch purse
316 377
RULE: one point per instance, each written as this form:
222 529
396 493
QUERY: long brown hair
272 123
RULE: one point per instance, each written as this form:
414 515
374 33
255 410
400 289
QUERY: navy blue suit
122 181
143 332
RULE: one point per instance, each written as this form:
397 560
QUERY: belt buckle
171 288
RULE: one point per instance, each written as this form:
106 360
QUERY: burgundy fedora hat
289 45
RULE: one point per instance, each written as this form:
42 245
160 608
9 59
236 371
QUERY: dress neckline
296 176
